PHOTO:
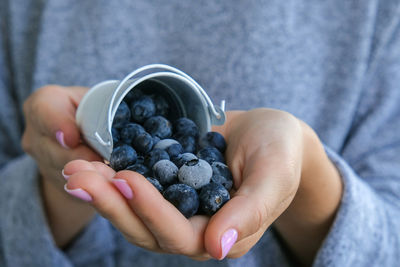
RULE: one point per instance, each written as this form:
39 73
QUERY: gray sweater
334 64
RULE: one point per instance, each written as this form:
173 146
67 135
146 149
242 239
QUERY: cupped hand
265 154
51 135
52 138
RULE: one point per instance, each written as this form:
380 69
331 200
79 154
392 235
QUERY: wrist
307 220
66 216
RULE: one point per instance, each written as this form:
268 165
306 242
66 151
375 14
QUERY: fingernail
64 175
79 193
60 139
123 187
227 241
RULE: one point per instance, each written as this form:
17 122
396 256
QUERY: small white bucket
96 111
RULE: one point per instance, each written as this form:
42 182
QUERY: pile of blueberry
188 169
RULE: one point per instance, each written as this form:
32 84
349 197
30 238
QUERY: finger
47 149
51 110
173 232
268 186
83 165
92 186
243 246
51 157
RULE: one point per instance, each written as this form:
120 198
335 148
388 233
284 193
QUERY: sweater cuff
359 225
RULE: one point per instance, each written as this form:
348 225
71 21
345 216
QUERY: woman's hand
52 138
269 152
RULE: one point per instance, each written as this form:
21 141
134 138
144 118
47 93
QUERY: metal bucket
97 109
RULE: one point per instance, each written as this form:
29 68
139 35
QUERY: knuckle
261 213
48 89
146 243
170 246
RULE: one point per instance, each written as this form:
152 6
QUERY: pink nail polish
228 239
79 193
123 187
64 175
60 139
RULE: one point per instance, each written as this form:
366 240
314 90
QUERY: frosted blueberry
165 171
183 158
195 173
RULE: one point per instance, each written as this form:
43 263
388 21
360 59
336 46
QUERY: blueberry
213 139
139 168
184 198
132 96
212 197
188 143
210 154
222 175
163 144
115 145
140 159
115 135
195 173
155 155
162 106
174 150
185 127
122 115
142 109
156 139
156 184
183 158
158 126
129 132
219 179
165 171
122 157
143 143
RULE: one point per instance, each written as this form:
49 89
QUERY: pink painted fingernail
60 139
79 193
64 175
123 187
228 239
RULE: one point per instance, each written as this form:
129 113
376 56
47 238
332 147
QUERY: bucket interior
183 99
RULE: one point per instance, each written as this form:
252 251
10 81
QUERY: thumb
265 192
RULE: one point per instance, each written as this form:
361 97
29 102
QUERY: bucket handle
217 112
